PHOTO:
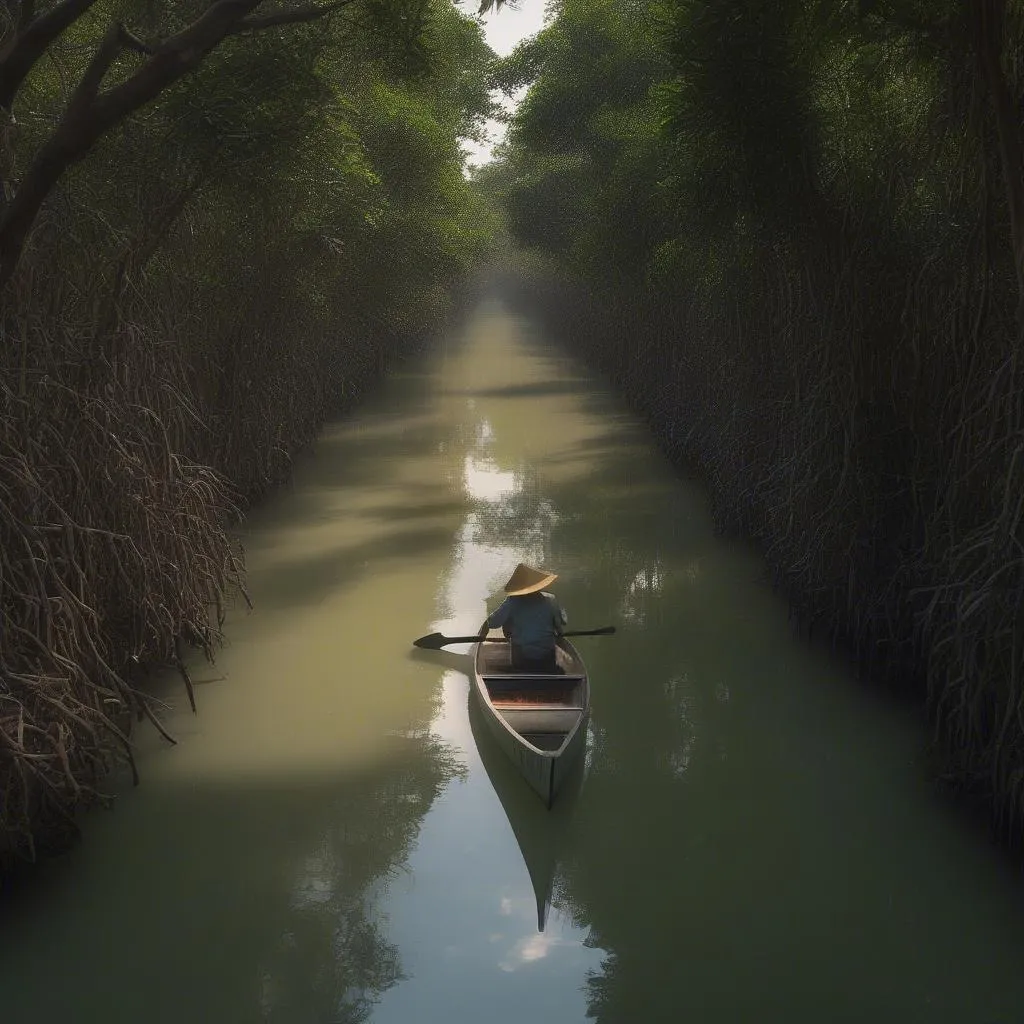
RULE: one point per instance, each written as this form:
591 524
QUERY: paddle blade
430 642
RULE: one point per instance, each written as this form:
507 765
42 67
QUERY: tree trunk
989 20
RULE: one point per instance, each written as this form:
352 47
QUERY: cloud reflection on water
531 948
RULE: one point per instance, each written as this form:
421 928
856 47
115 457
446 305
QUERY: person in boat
531 618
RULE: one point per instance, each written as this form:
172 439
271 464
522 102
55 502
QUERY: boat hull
543 739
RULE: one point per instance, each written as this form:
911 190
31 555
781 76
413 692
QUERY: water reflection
492 847
540 833
332 960
228 904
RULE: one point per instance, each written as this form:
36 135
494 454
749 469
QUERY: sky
503 30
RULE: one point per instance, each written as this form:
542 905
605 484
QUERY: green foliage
580 170
688 130
338 136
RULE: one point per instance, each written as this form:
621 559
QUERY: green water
754 838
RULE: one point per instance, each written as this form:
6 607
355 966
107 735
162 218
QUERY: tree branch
26 43
294 17
90 113
26 13
90 82
130 41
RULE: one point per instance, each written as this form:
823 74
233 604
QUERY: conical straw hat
526 580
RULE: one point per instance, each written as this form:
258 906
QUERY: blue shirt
532 622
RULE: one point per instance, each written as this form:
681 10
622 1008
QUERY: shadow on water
350 455
308 579
536 389
416 511
396 423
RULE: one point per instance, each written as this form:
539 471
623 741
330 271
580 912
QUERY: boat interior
543 709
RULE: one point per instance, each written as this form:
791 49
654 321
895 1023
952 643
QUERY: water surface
753 839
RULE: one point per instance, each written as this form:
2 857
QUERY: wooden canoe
540 721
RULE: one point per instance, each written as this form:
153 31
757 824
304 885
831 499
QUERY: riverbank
117 550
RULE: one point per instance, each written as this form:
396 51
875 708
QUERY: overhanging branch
293 17
130 41
30 39
91 113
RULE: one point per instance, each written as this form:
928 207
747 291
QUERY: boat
539 720
543 835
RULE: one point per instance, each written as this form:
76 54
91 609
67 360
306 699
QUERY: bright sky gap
504 30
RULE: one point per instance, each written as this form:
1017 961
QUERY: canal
752 836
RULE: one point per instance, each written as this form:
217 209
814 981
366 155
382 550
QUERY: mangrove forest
220 220
793 234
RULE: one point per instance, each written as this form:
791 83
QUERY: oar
435 641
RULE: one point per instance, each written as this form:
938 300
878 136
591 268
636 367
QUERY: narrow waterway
753 838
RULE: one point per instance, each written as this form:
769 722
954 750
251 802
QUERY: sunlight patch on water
648 582
486 482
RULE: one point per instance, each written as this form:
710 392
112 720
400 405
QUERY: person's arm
496 619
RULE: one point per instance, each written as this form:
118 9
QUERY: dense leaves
579 173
